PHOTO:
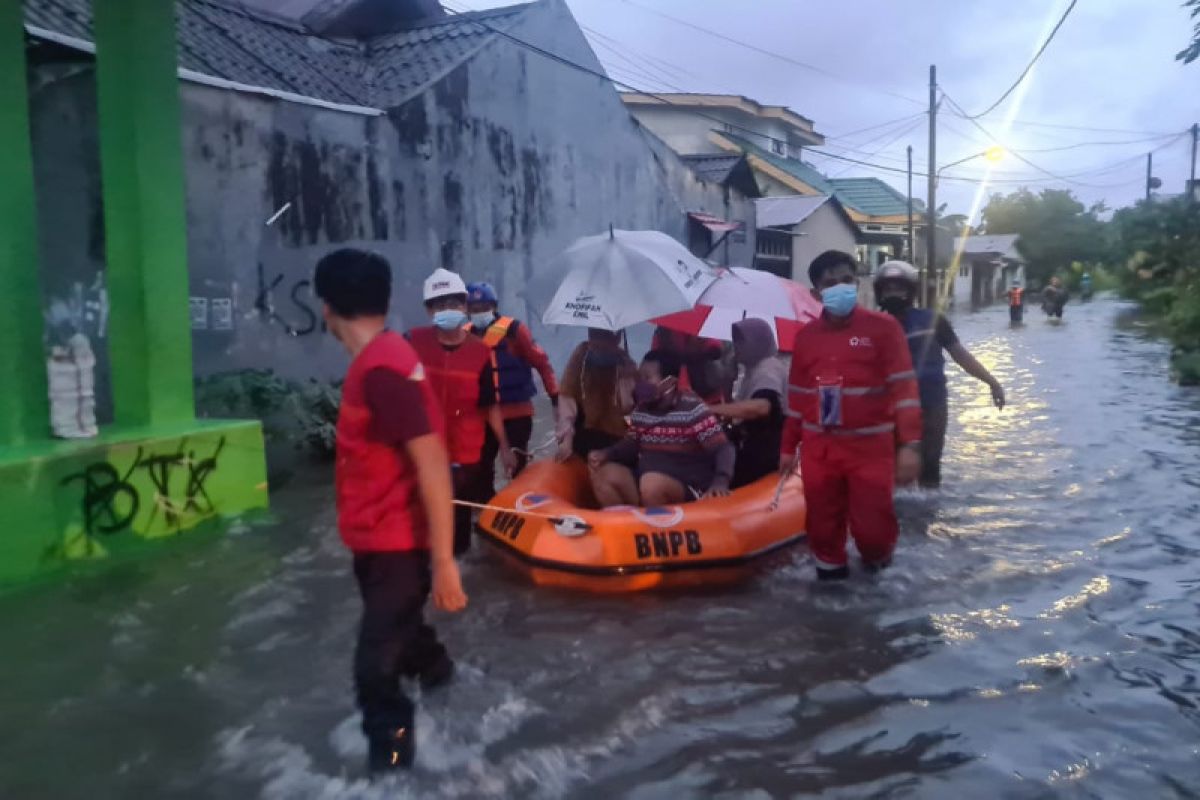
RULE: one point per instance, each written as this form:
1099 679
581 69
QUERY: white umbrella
621 278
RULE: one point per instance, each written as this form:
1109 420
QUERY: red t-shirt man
394 501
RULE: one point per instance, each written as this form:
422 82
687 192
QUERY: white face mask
482 319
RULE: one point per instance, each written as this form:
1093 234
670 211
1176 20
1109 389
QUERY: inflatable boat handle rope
533 452
566 525
783 480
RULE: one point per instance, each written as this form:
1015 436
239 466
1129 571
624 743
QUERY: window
778 147
964 269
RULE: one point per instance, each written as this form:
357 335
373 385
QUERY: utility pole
912 252
1149 171
1193 194
931 211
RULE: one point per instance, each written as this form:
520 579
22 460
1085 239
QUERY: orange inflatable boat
545 522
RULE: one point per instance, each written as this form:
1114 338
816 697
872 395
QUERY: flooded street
1037 637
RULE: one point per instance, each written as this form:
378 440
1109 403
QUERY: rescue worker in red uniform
853 404
394 502
459 366
515 356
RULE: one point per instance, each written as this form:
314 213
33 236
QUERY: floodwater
1037 637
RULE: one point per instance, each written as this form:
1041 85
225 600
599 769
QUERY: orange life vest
454 377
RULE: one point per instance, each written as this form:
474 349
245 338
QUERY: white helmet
444 283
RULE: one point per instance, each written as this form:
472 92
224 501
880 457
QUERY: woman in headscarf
595 394
757 408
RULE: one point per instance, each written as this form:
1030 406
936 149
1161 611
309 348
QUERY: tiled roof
793 209
714 169
1003 245
224 39
797 169
870 196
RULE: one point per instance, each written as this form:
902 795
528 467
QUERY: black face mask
896 306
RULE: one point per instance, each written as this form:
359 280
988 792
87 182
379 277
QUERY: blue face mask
449 319
482 319
841 299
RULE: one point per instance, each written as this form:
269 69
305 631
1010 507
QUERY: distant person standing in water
1054 298
929 333
1016 303
394 501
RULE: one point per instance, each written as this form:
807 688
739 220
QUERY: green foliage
317 412
1157 249
1192 52
1056 229
304 414
244 394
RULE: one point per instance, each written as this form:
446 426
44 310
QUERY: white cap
443 282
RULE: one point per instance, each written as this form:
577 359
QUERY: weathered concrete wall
493 171
825 229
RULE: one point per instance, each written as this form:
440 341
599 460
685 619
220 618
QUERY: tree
1190 53
1055 229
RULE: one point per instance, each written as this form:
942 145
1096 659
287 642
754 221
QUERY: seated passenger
705 370
595 394
758 402
675 448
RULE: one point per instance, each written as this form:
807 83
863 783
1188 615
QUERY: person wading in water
394 502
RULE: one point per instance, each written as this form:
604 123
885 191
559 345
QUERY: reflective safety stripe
793 414
826 566
908 404
871 431
849 391
902 376
926 332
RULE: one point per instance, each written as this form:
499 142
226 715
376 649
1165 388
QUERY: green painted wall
24 408
145 222
70 502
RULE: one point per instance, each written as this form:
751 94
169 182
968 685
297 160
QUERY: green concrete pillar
141 159
24 408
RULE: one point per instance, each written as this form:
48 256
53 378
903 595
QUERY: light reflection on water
1036 637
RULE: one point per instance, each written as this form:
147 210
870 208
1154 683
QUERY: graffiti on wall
298 316
155 493
83 309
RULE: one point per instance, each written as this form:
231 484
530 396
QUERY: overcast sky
1111 66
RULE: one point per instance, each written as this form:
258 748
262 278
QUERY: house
434 139
796 229
732 237
773 140
686 121
987 268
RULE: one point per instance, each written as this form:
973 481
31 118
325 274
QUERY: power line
895 170
770 53
892 140
1028 67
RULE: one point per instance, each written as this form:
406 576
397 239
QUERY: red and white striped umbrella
740 293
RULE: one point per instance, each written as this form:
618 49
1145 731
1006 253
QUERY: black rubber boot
397 750
835 574
877 567
439 673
